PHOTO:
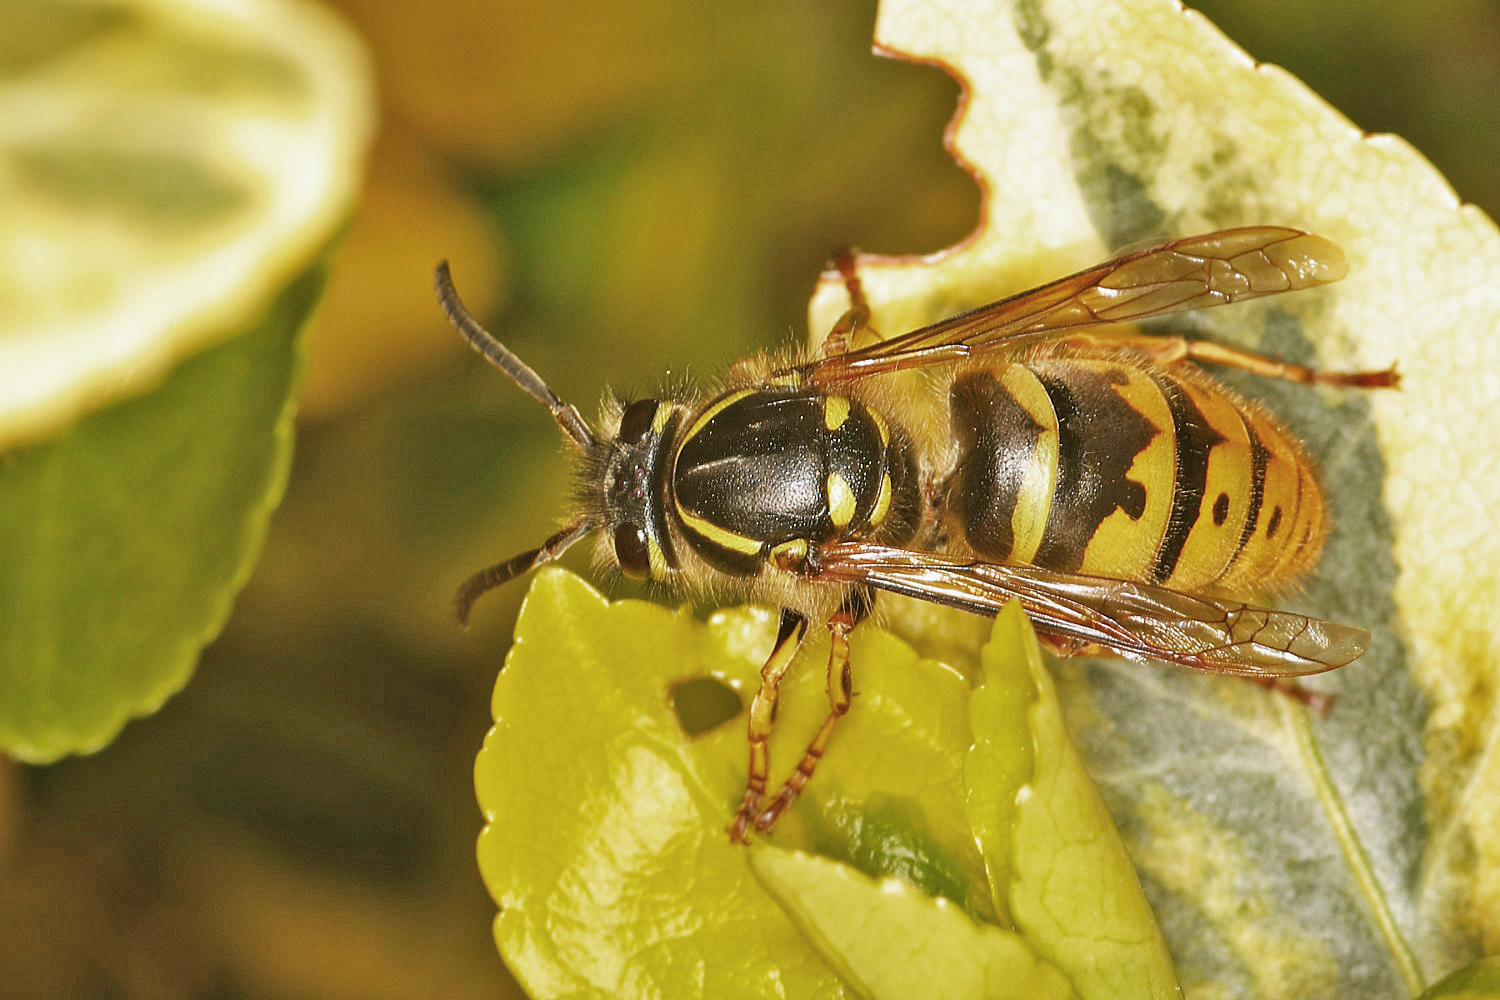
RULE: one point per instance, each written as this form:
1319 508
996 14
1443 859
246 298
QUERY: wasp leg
1287 687
840 693
1059 645
763 719
853 328
1170 350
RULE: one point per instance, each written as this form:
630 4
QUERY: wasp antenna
504 359
501 573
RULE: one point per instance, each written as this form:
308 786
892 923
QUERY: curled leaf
1055 859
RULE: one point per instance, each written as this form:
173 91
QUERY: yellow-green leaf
605 821
1055 859
891 942
1478 981
604 844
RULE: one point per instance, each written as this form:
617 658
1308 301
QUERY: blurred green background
623 191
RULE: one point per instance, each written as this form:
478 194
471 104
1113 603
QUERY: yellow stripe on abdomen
1034 498
1219 512
1125 546
1291 522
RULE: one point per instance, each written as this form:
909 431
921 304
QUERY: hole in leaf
704 703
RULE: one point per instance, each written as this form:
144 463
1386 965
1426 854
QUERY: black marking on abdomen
996 438
1099 434
1195 440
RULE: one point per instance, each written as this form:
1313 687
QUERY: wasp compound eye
630 552
636 420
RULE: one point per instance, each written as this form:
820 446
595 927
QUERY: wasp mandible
1095 474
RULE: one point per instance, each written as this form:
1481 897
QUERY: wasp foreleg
840 693
763 719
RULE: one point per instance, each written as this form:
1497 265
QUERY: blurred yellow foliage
378 319
507 83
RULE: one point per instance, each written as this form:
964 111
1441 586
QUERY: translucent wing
1191 273
1134 620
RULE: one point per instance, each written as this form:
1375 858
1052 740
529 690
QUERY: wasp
1096 474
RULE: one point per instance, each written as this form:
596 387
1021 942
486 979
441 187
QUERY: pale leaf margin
279 138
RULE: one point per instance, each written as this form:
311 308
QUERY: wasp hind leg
853 328
1287 687
855 609
1172 350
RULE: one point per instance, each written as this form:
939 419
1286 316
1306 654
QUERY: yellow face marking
841 503
1034 499
882 500
835 412
662 416
656 560
720 536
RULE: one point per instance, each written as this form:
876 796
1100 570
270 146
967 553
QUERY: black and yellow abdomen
780 465
1111 466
